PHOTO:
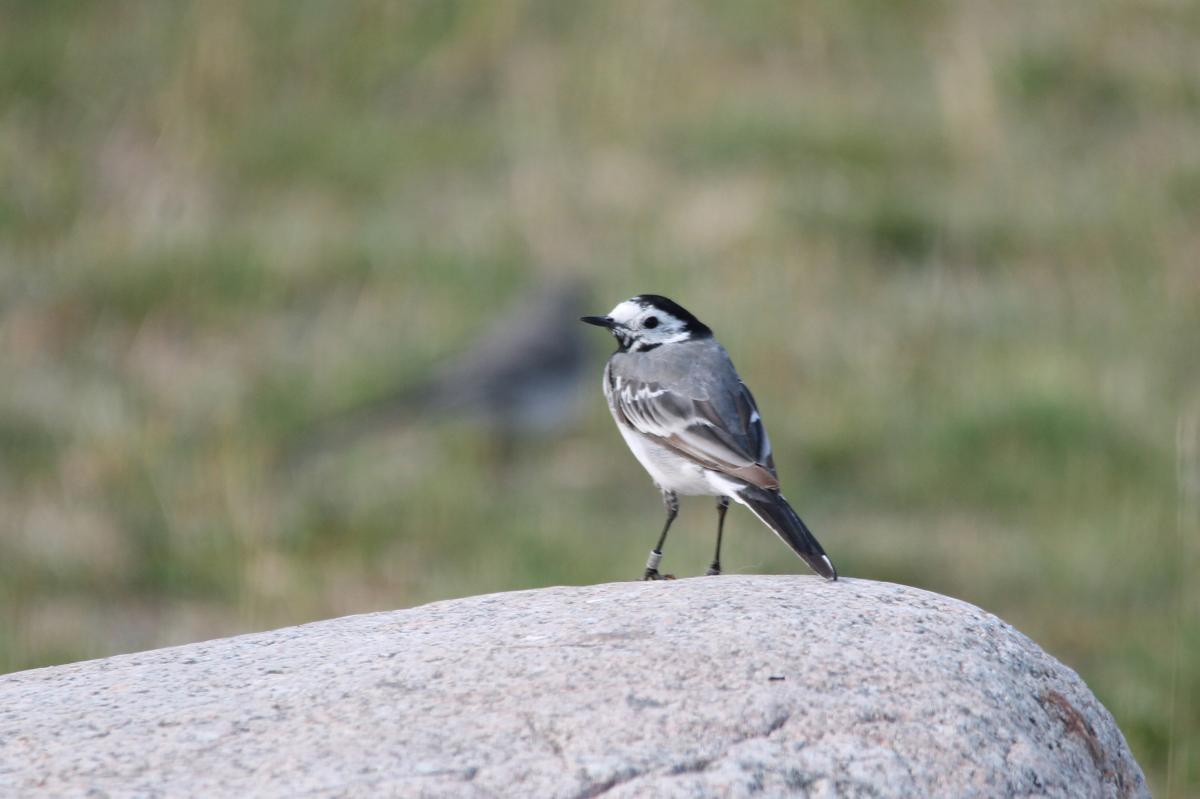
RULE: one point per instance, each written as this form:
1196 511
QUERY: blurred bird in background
519 378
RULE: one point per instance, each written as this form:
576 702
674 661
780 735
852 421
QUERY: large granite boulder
720 686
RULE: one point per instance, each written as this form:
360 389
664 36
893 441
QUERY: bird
693 424
513 378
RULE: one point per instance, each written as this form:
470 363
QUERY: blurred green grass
953 248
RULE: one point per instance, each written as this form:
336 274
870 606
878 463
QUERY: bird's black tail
773 510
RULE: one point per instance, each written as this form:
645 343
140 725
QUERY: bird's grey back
700 371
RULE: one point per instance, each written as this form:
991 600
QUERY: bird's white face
645 326
648 321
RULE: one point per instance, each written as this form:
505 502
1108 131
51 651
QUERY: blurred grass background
953 247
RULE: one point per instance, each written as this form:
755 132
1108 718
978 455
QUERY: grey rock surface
728 686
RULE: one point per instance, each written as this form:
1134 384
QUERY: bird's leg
672 503
722 506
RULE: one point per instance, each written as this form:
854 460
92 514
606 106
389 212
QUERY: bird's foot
713 570
652 567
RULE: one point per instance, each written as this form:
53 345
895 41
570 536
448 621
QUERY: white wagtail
692 423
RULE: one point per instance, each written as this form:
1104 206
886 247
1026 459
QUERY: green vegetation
953 247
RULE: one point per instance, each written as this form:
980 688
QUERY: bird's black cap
693 325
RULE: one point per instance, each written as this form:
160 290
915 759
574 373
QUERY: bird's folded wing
735 444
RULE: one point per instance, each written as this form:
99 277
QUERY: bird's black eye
651 322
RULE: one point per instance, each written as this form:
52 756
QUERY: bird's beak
599 321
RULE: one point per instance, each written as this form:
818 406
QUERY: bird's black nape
692 325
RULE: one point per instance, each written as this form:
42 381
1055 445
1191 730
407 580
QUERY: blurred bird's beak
599 321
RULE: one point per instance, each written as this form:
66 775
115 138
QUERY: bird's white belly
672 472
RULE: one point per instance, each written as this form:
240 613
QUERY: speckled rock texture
718 686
